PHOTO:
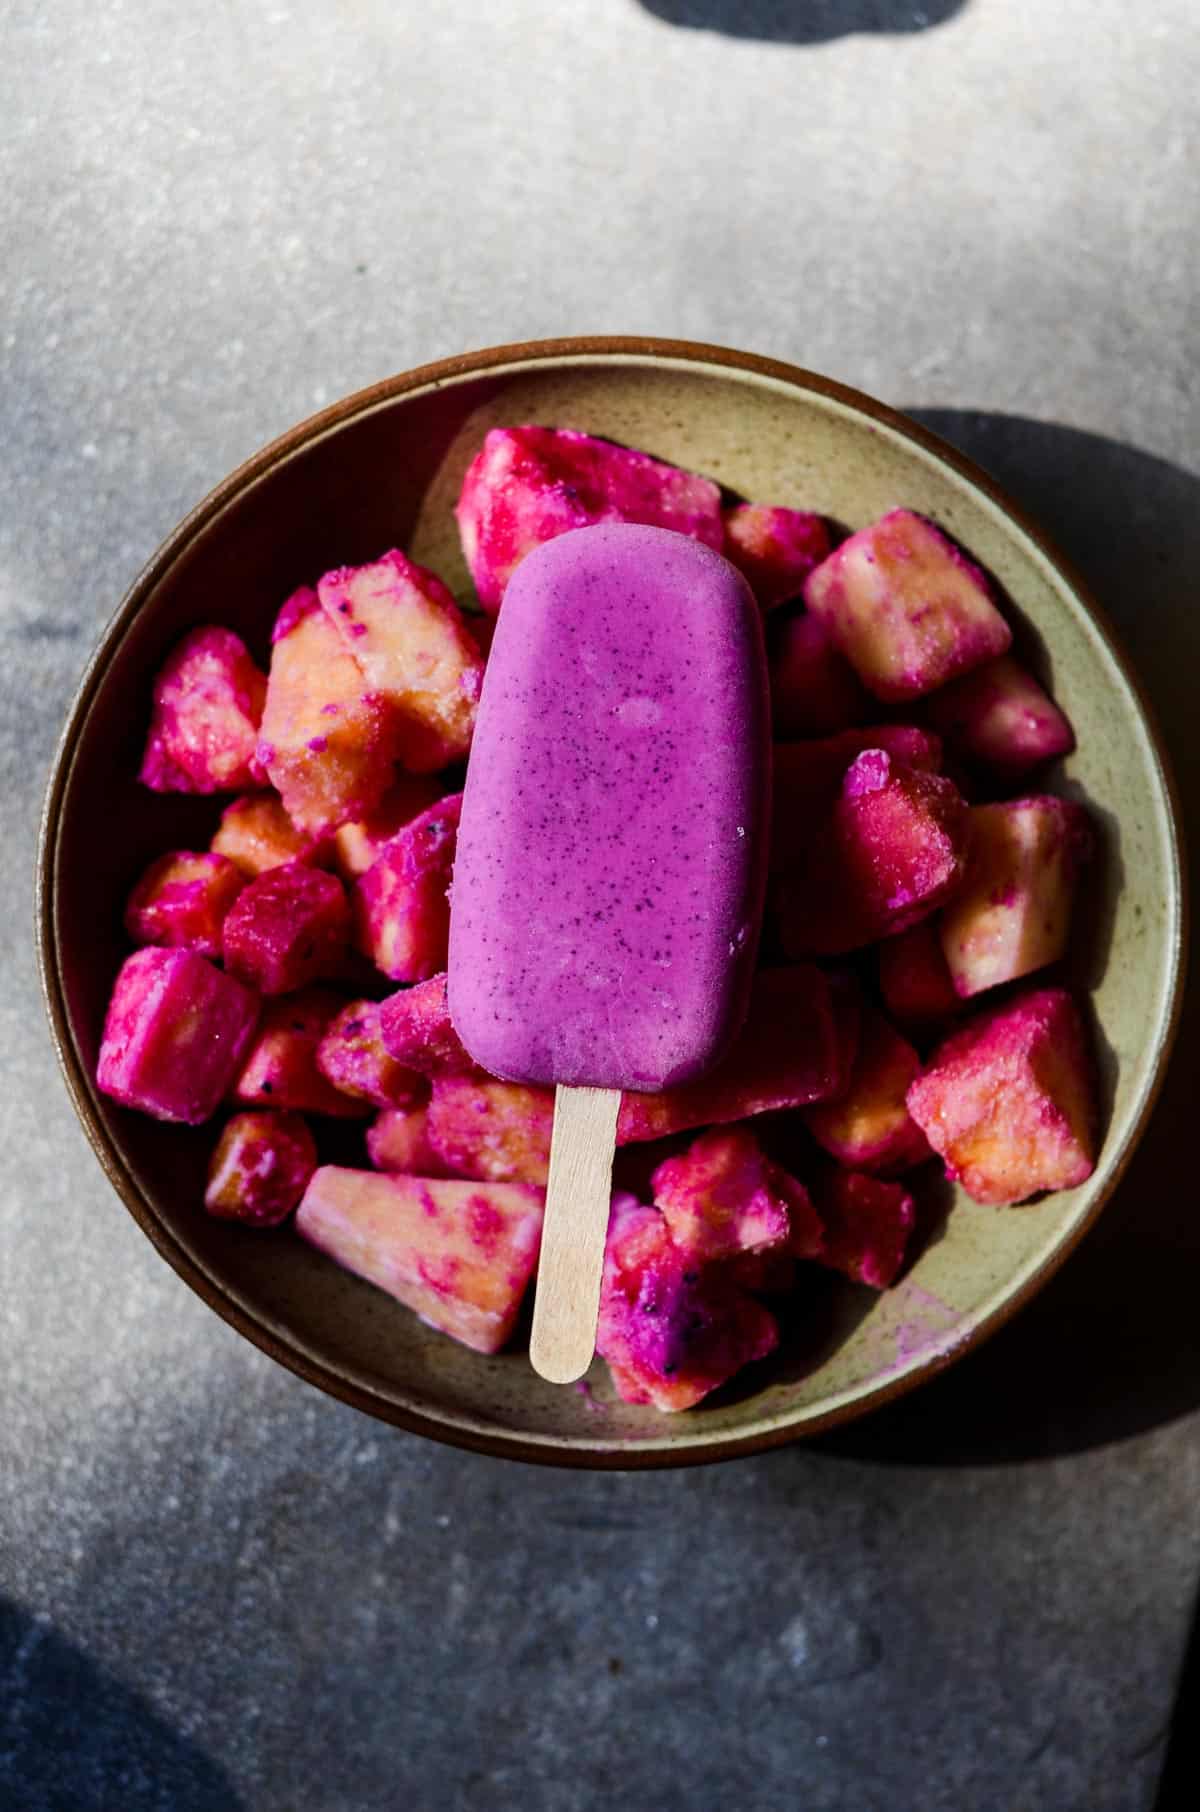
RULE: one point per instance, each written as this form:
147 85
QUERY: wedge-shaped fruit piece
1009 1101
415 1026
796 1046
408 635
256 834
208 701
357 846
260 1168
460 1254
814 689
869 1127
498 1131
328 742
351 1055
775 548
671 1329
289 927
398 1139
281 1066
867 1226
1012 913
182 900
176 1032
999 717
401 904
723 1196
529 484
914 978
808 776
906 607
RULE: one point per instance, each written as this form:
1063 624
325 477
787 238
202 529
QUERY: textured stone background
219 1590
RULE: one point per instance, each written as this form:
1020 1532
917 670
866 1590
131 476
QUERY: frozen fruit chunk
415 1026
401 904
808 776
408 635
763 1273
1012 913
890 852
289 927
796 1046
182 900
914 977
256 834
869 1127
260 1168
528 484
671 1329
351 1056
1009 1101
1001 718
208 700
906 607
775 548
814 689
867 1226
398 1139
175 1033
328 742
498 1131
357 846
460 1254
723 1196
281 1067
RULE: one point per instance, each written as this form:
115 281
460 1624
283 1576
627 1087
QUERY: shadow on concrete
72 1739
1112 1345
803 21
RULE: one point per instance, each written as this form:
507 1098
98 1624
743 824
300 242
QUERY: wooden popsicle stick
571 1265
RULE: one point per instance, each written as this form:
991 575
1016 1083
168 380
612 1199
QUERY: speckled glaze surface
385 467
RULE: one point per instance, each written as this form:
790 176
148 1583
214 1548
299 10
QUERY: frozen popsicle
609 872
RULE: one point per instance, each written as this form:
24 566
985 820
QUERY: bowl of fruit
965 984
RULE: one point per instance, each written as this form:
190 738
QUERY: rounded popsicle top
609 874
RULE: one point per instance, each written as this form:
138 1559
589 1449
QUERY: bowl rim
323 1373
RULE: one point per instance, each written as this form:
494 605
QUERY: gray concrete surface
219 1590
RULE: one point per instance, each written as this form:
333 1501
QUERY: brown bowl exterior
382 468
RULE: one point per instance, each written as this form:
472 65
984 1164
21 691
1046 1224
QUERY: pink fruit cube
1009 1101
814 689
256 834
415 1026
401 904
867 1226
260 1168
497 1131
892 850
357 846
1001 718
914 977
459 1254
808 777
176 1032
906 607
289 927
869 1127
208 701
281 1067
351 1056
671 1329
723 1196
775 548
529 484
1012 913
398 1139
182 900
328 742
407 634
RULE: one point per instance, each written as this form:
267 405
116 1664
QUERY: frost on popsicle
906 607
401 908
497 1131
999 717
775 548
869 1127
256 834
723 1196
289 927
868 1223
460 1254
415 1027
182 900
351 1055
260 1168
280 1069
208 702
175 1033
528 485
1009 1101
814 689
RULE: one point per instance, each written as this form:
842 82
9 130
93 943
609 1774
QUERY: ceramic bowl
384 468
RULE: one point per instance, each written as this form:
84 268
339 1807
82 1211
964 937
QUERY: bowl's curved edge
290 1353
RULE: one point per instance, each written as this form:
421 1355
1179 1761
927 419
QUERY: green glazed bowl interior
383 468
